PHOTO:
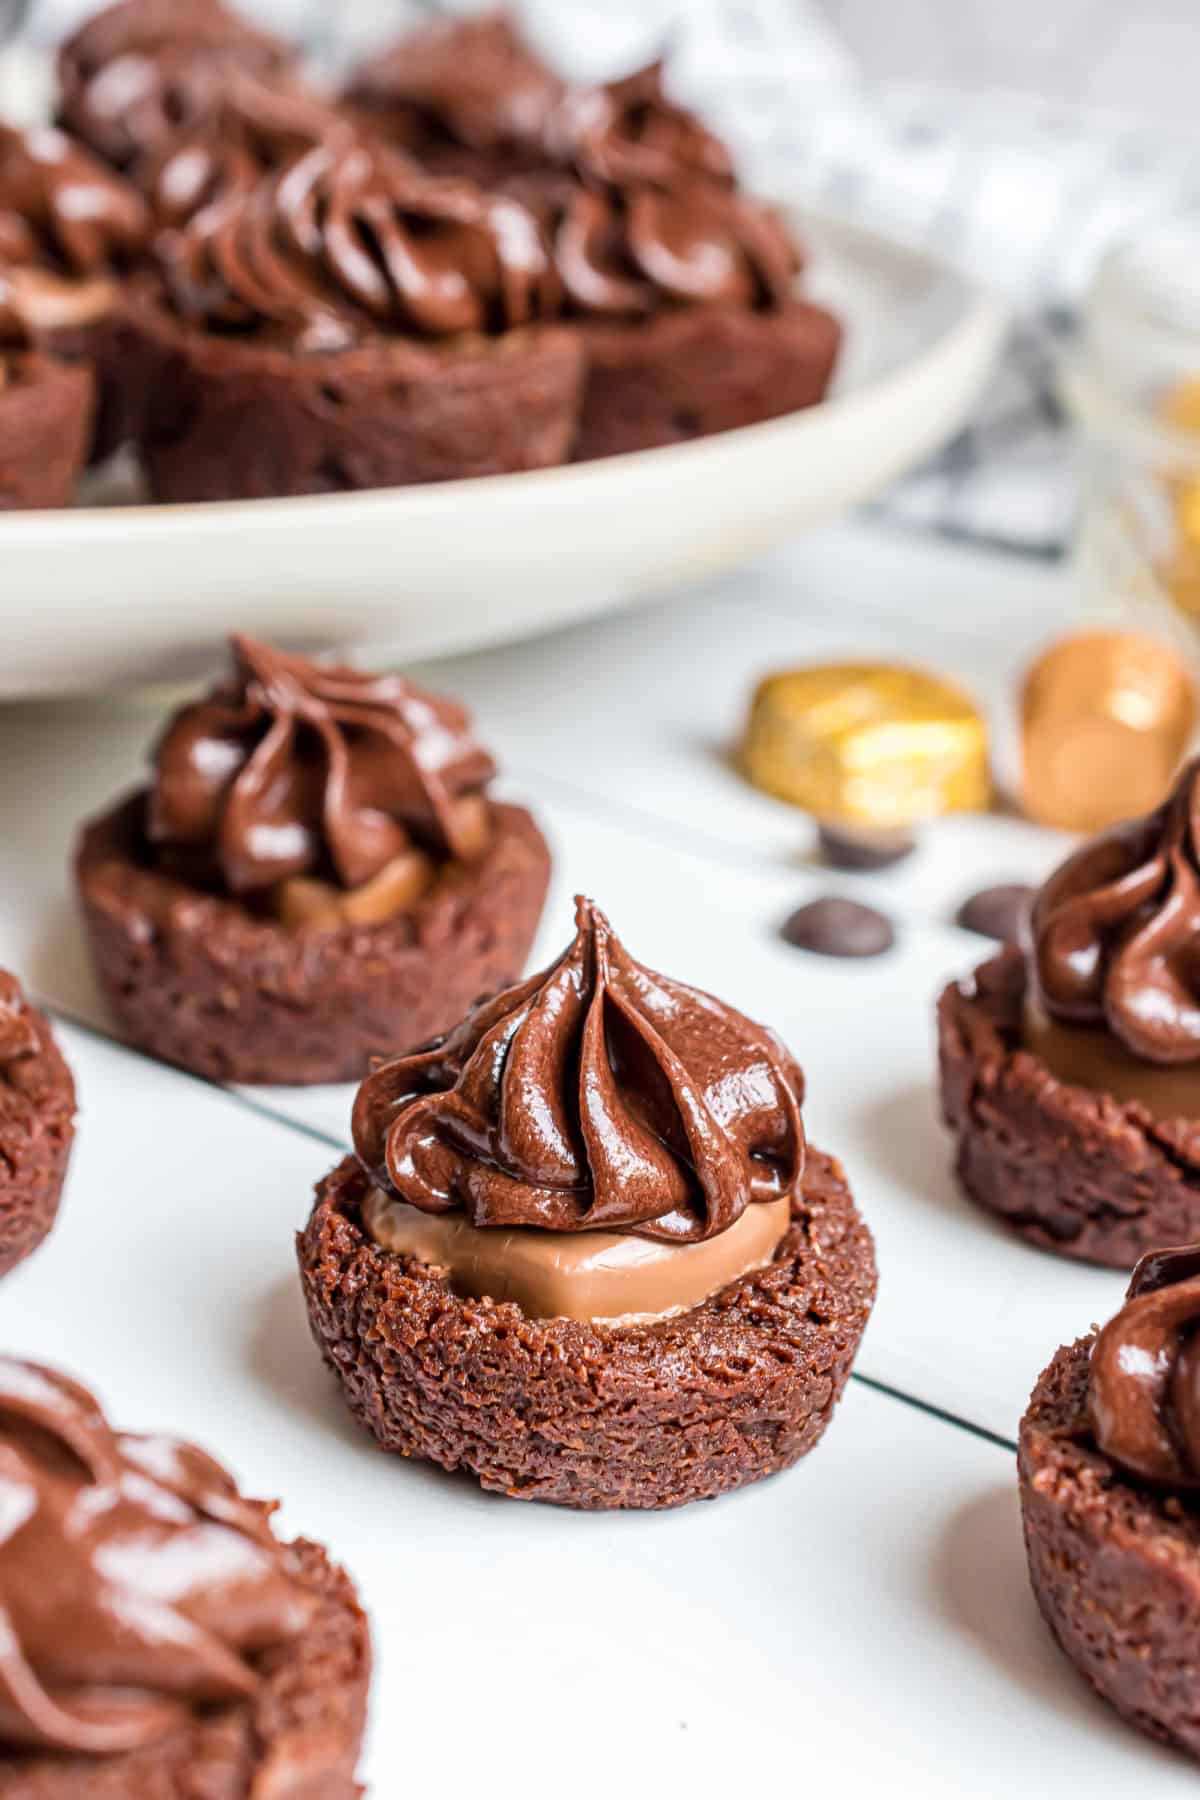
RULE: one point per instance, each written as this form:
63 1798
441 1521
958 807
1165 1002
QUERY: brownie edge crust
198 981
1072 1171
37 1128
584 1416
297 1739
1115 1567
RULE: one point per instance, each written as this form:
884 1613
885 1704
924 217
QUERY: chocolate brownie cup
580 1251
684 288
71 233
180 1649
37 1125
1070 1065
354 323
1109 1473
463 96
45 418
315 874
135 74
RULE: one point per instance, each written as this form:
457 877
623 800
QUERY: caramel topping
294 768
1115 931
1144 1381
319 906
595 1096
136 1584
601 1277
349 241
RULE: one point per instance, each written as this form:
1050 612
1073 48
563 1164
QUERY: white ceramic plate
113 591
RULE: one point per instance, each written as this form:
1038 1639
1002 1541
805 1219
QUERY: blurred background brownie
71 233
137 73
1070 1066
315 875
353 323
463 96
683 286
1109 1474
581 1252
159 1640
45 416
37 1125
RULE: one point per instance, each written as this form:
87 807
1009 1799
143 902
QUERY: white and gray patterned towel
1024 192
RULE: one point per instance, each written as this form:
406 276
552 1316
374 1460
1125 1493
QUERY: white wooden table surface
862 1623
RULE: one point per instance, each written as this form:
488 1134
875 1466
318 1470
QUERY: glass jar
1132 382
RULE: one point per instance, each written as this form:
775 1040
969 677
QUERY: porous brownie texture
45 430
1115 1566
234 419
298 1739
1073 1171
594 1417
37 1127
689 373
199 980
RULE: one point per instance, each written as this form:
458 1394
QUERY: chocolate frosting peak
293 767
137 73
650 216
630 132
135 1582
350 241
1116 931
1144 1380
596 1095
61 208
470 81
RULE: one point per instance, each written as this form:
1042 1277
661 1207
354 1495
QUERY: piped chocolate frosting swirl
1144 1378
649 215
135 75
295 768
595 1096
62 209
471 82
1116 932
136 1584
349 242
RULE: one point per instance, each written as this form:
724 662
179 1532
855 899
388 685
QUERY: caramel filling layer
601 1277
1099 1061
48 302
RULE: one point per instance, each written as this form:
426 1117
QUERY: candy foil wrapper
869 745
1106 718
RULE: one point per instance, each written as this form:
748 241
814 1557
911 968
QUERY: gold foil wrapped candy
870 745
1106 717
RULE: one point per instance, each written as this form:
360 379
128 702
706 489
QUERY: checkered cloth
1024 193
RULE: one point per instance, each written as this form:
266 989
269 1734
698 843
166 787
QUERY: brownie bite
581 1251
315 874
37 1125
137 73
1109 1474
1070 1063
463 96
354 323
684 288
71 234
160 1642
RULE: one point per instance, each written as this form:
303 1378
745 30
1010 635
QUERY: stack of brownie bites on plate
458 266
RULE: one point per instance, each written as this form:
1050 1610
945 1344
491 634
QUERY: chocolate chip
838 927
848 849
995 912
